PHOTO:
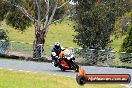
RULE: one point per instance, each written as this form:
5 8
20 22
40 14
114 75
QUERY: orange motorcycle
67 61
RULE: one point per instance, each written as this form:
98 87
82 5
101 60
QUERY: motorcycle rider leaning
55 53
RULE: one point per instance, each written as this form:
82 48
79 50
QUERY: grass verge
16 79
116 44
60 32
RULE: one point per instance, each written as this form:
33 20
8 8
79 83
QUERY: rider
55 53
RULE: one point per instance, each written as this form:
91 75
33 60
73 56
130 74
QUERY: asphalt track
48 67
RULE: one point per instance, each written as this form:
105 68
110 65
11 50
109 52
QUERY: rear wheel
62 68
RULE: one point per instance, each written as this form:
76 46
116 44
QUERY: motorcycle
67 61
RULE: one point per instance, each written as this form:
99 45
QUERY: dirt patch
17 53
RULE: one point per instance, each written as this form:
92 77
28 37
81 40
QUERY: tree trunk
38 46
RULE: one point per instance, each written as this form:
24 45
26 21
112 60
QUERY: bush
127 45
4 41
3 35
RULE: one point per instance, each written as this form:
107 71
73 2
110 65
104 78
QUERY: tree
127 42
3 35
95 21
122 23
127 47
41 13
4 41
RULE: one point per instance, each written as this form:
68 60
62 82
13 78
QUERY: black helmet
57 46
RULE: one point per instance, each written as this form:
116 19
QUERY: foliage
127 42
3 9
127 47
4 41
95 21
126 58
122 23
15 18
3 35
21 14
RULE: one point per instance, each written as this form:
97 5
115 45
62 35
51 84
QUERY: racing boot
55 64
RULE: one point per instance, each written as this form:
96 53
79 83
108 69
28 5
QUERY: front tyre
76 67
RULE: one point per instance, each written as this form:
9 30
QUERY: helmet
57 46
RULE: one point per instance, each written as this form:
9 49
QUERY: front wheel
75 66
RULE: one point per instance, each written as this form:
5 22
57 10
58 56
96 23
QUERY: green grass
15 79
116 44
59 32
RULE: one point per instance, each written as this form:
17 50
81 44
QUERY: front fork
74 65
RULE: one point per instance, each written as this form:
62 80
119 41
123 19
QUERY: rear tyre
62 68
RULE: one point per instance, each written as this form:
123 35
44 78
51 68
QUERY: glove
56 57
